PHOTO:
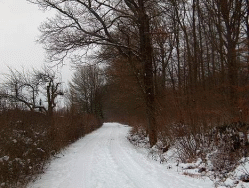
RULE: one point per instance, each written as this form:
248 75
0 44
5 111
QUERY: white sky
19 22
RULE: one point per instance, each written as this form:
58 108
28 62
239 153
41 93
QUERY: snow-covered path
106 159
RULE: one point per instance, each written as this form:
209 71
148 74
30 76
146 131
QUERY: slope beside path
106 159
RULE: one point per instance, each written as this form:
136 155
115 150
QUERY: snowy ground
106 159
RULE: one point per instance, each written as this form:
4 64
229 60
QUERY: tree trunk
195 59
146 52
50 114
232 24
232 76
247 33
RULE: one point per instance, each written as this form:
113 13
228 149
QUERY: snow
106 159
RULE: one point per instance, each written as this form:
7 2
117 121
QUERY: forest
177 71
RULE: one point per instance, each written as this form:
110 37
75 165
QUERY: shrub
25 144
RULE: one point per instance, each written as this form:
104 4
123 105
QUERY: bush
25 144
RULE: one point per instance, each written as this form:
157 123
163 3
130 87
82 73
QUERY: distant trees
28 89
124 97
86 90
21 88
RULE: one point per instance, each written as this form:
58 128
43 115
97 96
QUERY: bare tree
27 88
83 23
86 89
228 18
51 88
21 87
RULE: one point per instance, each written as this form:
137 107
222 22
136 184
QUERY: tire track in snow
139 175
159 175
106 159
108 174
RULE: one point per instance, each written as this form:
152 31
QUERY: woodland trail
106 159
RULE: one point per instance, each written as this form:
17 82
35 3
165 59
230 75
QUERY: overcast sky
19 22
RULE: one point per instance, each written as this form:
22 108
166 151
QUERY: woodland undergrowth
26 143
215 149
